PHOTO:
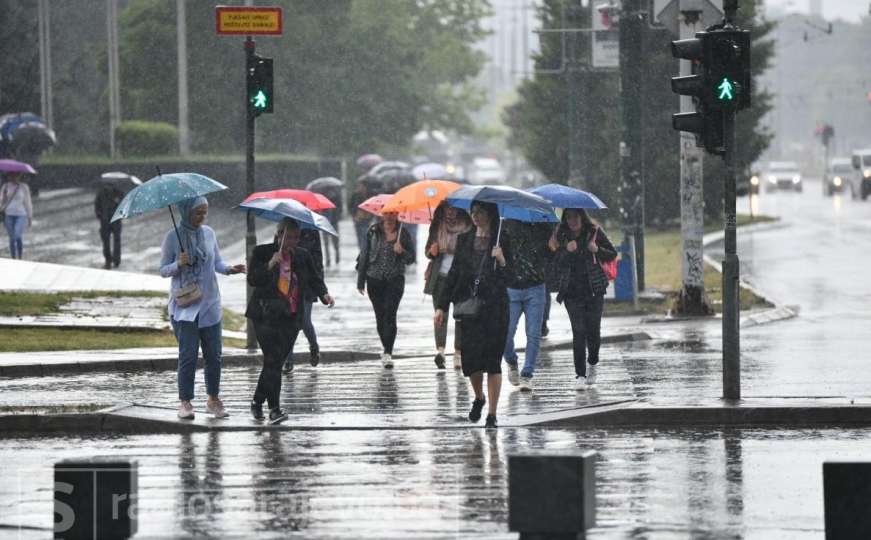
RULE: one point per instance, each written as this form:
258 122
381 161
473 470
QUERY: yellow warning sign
235 20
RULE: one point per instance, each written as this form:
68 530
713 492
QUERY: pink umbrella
311 200
10 165
375 204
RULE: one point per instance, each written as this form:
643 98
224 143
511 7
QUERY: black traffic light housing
259 85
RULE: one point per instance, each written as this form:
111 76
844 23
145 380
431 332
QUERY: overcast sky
851 10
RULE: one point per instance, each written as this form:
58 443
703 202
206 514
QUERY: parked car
839 177
862 172
782 175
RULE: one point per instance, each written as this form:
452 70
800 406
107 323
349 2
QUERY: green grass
36 303
61 339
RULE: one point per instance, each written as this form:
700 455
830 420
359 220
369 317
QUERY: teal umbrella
164 190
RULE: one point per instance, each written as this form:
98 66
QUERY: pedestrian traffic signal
727 65
259 85
706 123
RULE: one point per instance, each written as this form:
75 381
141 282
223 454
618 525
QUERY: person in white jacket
16 204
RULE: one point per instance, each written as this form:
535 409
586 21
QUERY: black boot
477 407
314 357
257 410
490 423
277 416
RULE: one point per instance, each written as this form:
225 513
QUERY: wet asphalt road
662 484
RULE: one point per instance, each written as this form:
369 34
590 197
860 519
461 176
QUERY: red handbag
609 267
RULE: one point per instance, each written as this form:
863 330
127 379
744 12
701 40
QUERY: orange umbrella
424 195
378 205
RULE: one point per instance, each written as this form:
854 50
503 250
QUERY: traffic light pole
251 231
578 101
731 290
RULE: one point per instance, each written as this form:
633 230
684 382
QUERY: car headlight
796 179
837 181
772 179
867 173
754 180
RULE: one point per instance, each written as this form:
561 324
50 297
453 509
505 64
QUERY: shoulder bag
472 306
189 294
608 267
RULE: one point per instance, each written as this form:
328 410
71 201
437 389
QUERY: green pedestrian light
259 86
727 90
260 100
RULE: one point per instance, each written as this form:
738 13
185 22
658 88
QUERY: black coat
564 261
266 301
461 278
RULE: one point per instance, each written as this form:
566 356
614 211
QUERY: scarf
192 238
288 282
447 235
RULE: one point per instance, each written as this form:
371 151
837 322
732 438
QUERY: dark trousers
330 239
585 314
385 296
110 234
276 339
546 310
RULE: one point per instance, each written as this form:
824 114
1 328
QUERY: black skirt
483 339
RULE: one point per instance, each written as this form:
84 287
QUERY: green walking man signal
259 85
726 89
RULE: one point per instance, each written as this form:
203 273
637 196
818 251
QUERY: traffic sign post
259 98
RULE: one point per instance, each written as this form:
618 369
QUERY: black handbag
471 307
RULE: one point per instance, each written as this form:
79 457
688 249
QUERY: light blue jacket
208 308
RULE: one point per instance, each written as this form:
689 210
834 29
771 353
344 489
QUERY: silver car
782 175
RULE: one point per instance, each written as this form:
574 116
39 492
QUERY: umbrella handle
498 237
175 228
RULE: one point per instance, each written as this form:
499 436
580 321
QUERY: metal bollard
95 498
551 496
846 499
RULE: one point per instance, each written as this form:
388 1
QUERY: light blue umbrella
568 197
278 209
164 190
512 203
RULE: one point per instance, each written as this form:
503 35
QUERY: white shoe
580 383
513 375
186 410
591 374
216 407
526 384
387 360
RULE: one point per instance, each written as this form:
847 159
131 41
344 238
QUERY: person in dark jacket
580 246
448 223
107 200
478 258
335 216
381 272
361 218
309 240
281 273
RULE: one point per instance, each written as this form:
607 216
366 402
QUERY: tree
19 50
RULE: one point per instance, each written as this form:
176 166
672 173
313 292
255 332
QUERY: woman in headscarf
448 222
282 275
479 270
190 256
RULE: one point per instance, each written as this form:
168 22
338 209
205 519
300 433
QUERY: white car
782 175
838 178
862 176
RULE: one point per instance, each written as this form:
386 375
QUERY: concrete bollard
551 496
95 498
846 500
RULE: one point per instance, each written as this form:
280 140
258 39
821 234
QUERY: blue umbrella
164 190
567 197
511 202
278 209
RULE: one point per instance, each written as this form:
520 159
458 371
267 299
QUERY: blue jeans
530 302
308 329
189 337
15 228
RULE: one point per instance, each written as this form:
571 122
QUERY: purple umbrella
10 165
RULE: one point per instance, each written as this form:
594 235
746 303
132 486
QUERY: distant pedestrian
335 216
107 200
281 273
381 273
527 293
447 224
17 207
309 240
581 246
195 302
361 218
479 270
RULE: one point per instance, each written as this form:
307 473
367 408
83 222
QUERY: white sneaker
526 384
580 383
591 374
513 375
186 410
216 407
387 360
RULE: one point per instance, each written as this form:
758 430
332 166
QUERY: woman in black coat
479 258
581 247
281 274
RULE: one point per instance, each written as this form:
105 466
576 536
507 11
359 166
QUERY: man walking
527 293
107 200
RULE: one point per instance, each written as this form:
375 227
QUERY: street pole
692 299
731 291
632 25
44 16
574 110
114 70
184 142
251 231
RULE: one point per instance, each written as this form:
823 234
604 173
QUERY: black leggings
385 296
276 339
585 315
